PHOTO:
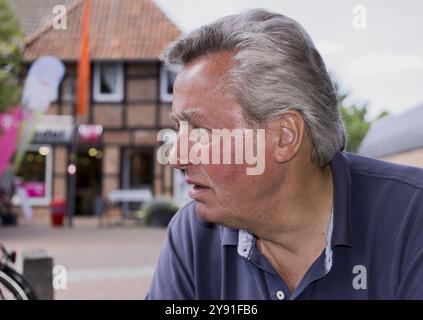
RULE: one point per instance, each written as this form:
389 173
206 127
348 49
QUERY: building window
35 175
167 78
108 82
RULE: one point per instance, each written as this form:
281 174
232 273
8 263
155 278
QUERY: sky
372 48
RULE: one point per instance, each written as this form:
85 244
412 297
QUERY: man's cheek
224 175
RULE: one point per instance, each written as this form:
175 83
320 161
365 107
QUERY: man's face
224 193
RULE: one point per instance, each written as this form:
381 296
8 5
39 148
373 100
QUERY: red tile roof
119 30
33 14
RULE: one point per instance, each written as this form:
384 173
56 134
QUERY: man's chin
204 212
212 215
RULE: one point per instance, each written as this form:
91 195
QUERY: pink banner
9 132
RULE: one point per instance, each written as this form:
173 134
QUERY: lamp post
72 169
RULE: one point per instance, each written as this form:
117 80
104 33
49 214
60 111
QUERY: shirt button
280 295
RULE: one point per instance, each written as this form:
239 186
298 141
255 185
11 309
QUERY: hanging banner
42 83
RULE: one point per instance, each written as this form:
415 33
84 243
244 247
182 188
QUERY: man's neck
297 221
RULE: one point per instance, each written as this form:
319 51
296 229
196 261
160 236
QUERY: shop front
42 173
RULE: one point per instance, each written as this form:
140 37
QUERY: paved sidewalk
101 263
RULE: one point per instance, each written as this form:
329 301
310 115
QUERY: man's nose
178 157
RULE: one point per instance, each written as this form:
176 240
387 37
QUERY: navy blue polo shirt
374 248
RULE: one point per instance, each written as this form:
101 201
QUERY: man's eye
194 127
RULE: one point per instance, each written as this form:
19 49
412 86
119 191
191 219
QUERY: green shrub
159 212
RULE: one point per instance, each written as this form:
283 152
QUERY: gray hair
276 68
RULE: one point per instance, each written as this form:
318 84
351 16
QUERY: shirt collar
341 173
342 230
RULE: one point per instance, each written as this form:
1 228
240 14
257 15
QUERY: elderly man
317 223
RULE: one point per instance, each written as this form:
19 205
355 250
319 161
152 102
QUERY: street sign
54 129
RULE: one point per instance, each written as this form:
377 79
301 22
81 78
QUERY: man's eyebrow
185 115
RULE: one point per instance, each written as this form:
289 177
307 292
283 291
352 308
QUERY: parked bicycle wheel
13 286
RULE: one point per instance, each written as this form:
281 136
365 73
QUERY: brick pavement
102 263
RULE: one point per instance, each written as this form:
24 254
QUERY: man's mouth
197 190
198 187
196 184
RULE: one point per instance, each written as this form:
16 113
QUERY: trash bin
58 211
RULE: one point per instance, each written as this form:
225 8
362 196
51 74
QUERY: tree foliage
11 39
355 120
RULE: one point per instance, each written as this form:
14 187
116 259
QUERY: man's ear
290 135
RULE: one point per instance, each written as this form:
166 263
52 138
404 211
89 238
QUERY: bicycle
13 285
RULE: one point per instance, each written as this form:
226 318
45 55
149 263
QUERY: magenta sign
9 132
90 132
34 189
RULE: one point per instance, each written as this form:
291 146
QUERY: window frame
164 95
108 97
